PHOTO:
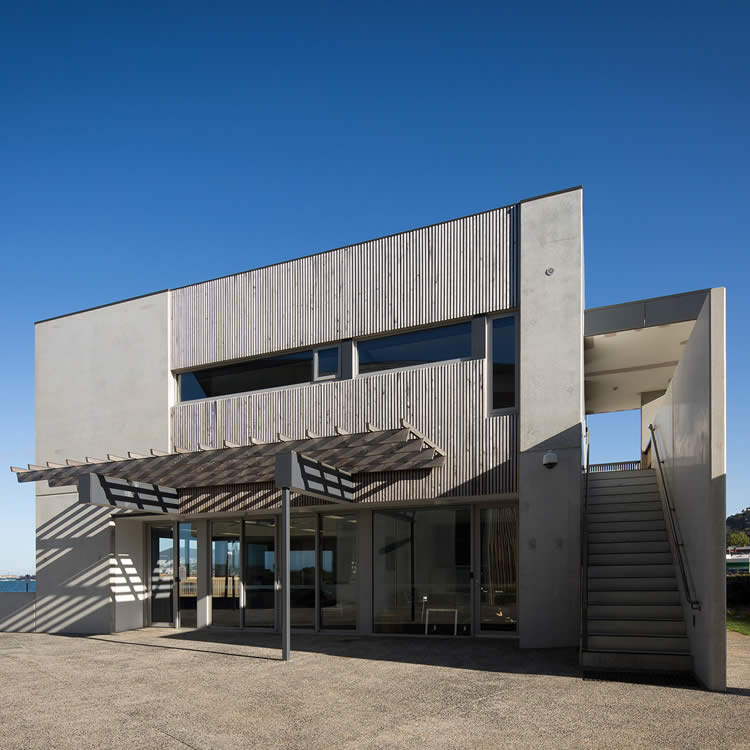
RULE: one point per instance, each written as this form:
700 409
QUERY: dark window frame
491 410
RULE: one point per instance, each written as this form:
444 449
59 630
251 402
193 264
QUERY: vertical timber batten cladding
446 402
452 270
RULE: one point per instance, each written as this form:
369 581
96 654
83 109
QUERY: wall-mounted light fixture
549 460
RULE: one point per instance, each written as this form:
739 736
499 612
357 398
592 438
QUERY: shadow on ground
490 655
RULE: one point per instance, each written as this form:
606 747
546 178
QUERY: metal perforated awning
401 449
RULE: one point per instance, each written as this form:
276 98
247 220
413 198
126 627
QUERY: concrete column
550 418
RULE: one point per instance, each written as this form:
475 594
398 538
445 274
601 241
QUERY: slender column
285 579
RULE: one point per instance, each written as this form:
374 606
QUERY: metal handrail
584 548
671 512
615 466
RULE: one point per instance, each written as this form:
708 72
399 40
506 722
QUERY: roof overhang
633 348
374 451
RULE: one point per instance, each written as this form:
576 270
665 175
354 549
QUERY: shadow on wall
74 593
264 496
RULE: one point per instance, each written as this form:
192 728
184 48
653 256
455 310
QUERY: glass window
162 573
415 348
504 362
188 575
328 362
302 570
338 571
421 571
498 584
254 375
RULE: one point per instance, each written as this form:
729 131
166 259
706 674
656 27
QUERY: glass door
260 573
498 579
225 573
338 571
187 572
162 575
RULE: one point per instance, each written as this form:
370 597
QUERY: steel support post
285 593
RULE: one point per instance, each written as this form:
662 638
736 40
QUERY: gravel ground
176 689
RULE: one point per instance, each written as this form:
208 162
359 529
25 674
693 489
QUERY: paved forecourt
178 689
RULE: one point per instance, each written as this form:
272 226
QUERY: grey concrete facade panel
690 434
443 272
550 419
102 386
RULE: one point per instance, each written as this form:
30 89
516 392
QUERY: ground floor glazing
441 569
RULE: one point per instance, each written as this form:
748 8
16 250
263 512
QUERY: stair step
621 626
629 489
635 474
634 597
603 480
602 501
610 526
644 611
623 536
605 509
653 662
629 516
630 558
627 547
633 584
631 571
639 643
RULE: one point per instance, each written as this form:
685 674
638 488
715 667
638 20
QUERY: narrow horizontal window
255 375
415 348
504 362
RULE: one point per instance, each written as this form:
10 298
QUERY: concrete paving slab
221 689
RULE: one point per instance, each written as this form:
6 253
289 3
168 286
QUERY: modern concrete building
443 375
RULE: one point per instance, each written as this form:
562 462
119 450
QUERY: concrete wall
651 403
17 612
550 418
128 577
690 431
102 386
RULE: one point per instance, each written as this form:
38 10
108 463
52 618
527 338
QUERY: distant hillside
739 522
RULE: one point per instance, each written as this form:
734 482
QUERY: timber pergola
401 449
319 466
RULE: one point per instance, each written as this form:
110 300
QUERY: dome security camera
549 460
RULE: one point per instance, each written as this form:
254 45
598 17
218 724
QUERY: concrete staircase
633 617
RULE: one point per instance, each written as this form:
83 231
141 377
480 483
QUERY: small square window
328 362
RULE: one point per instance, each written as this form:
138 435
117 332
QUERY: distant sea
6 585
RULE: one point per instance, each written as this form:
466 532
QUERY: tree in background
737 539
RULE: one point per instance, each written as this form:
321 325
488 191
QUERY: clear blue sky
149 145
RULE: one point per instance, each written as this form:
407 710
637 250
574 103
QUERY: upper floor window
257 374
503 344
415 348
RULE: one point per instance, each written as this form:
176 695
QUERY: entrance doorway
260 573
162 575
225 573
187 571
